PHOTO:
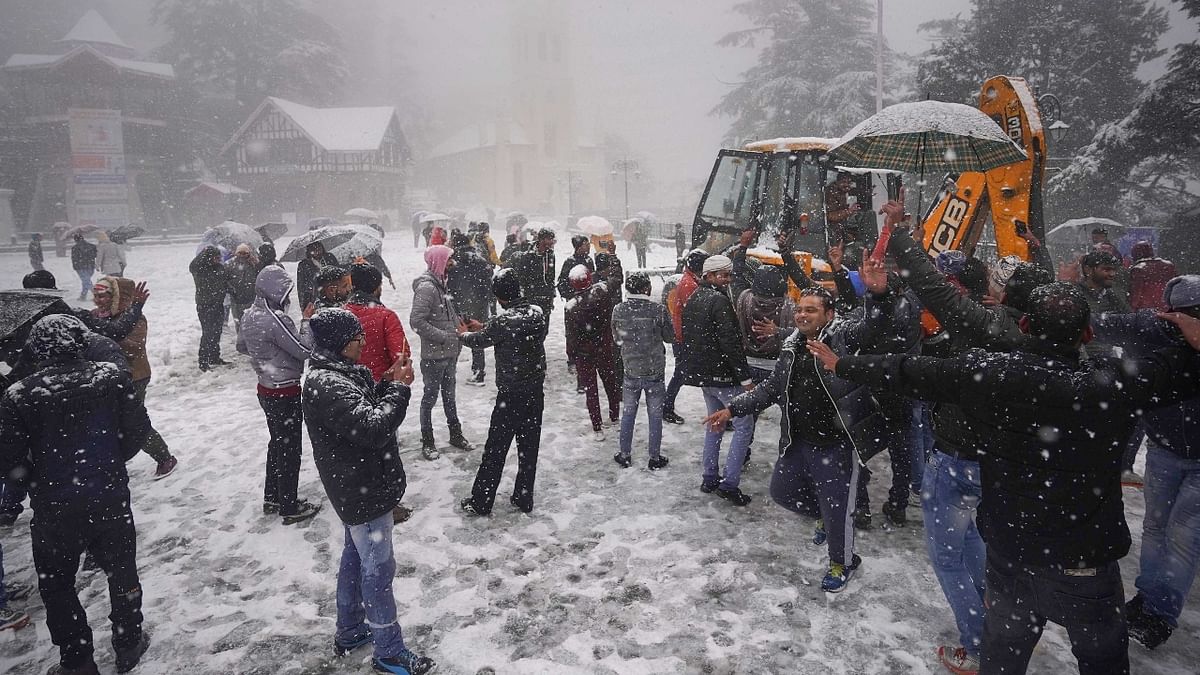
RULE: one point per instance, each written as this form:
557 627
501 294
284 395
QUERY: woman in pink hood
435 320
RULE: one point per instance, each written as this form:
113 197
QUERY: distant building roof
31 61
217 188
479 136
333 129
93 29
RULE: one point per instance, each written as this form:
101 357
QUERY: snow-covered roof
333 129
792 143
30 61
217 187
479 136
94 29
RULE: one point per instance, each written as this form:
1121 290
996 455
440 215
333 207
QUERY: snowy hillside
616 571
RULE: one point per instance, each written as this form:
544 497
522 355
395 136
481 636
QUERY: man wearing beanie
579 245
675 299
352 422
72 425
716 362
517 334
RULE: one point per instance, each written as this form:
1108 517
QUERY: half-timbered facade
300 162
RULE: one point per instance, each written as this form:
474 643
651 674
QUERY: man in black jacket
535 270
579 245
715 361
72 425
352 424
520 373
212 284
83 261
315 258
469 282
1053 432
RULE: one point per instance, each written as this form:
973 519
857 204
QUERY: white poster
101 192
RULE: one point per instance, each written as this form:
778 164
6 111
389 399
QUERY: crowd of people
1011 407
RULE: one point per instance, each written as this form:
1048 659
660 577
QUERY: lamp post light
1058 130
624 166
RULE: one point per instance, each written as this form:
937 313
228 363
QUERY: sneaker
344 647
404 663
1131 478
895 514
165 468
735 495
838 576
625 461
127 659
8 519
598 435
428 450
88 668
270 507
15 590
657 463
304 511
476 378
709 485
1148 630
819 535
523 508
220 362
13 618
670 417
459 441
468 507
862 520
958 661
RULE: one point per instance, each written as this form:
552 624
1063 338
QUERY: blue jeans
631 394
949 501
922 442
716 398
364 586
1170 532
85 282
438 376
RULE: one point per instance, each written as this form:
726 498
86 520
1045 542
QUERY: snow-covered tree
253 48
815 74
1084 52
1147 156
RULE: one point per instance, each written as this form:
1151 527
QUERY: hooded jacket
517 333
277 351
134 343
352 422
434 318
110 258
385 339
640 326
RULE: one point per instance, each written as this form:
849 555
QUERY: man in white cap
715 361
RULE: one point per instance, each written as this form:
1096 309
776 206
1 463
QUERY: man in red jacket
385 340
1148 276
675 302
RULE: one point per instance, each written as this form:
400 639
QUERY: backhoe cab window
729 200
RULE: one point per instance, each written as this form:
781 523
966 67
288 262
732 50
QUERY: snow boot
428 448
657 463
127 659
624 461
352 642
12 618
895 514
838 576
401 513
88 668
1145 628
736 496
709 485
469 508
404 663
670 417
598 435
304 511
958 661
862 519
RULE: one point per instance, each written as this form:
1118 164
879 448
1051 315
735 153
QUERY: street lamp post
572 182
625 166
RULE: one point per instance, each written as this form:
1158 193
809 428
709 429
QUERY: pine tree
253 48
1084 52
815 75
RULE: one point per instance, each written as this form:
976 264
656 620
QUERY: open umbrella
594 225
229 234
122 234
20 308
272 231
360 212
80 230
345 242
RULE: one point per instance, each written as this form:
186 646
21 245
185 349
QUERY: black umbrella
20 308
122 234
272 231
345 242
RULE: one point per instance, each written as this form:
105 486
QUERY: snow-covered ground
616 571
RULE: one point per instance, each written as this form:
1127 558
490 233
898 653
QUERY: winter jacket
83 256
352 422
564 274
133 345
1105 300
97 349
73 425
277 351
1173 427
517 334
211 279
306 276
536 273
242 276
385 339
110 259
1052 432
853 403
116 327
590 314
469 283
1147 279
712 341
434 319
640 326
761 351
35 253
675 302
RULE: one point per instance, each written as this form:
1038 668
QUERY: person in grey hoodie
434 318
640 326
277 352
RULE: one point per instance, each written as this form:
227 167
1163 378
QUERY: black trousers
285 421
1020 599
897 411
212 320
59 539
154 445
518 413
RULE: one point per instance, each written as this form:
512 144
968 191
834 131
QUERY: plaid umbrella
927 135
